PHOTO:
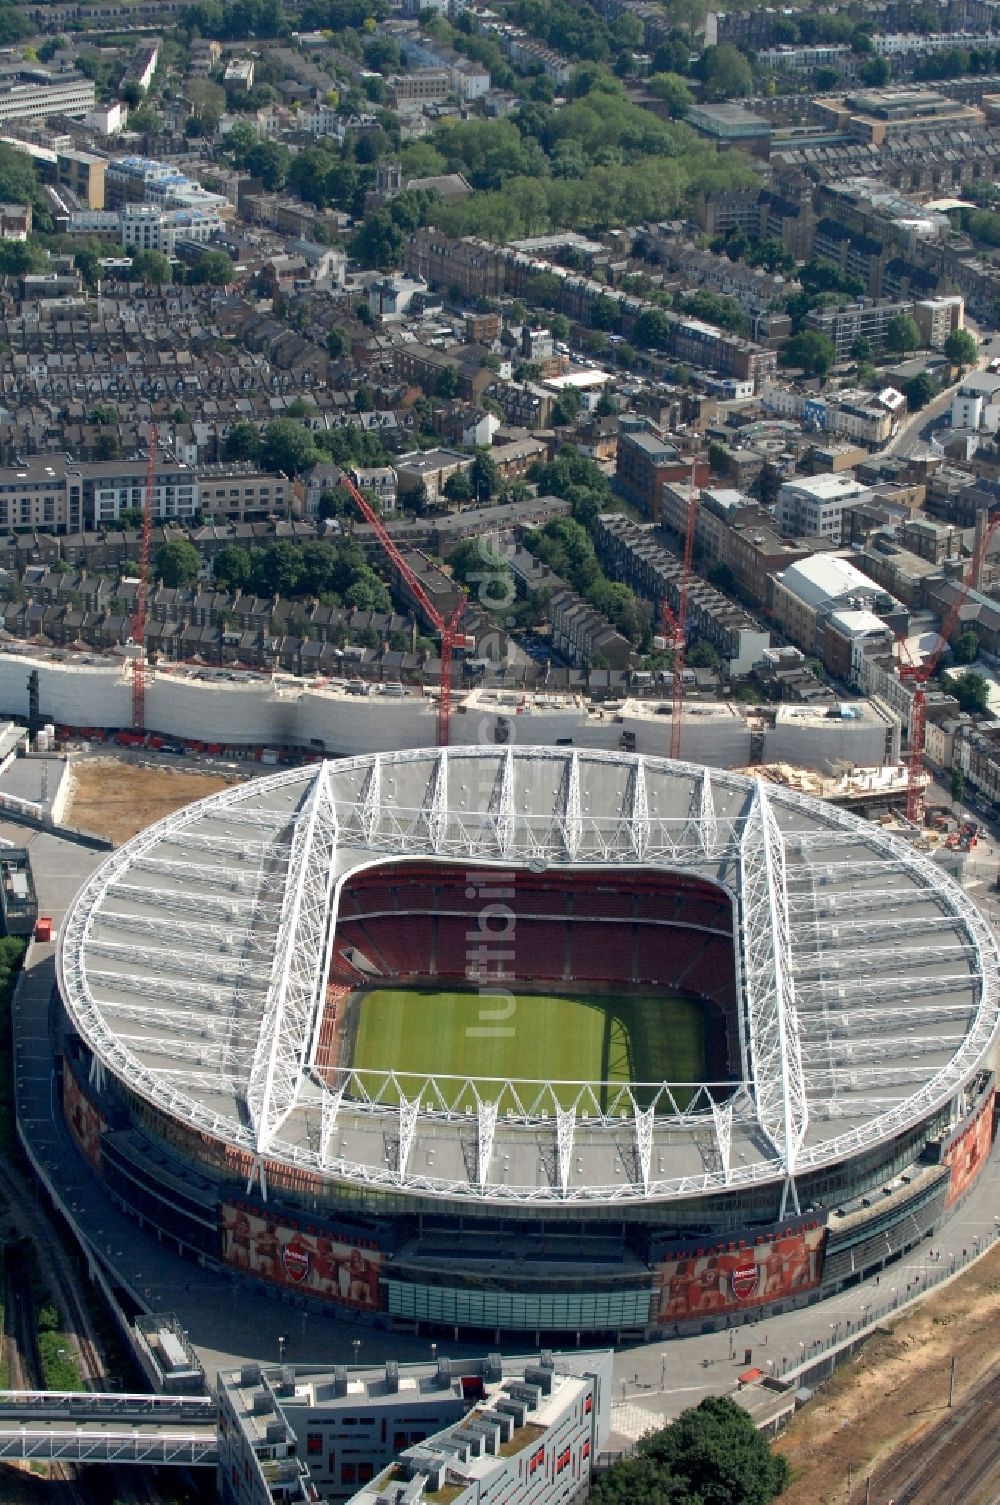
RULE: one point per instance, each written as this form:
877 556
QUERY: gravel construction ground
116 798
894 1398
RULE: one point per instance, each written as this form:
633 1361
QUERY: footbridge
71 1427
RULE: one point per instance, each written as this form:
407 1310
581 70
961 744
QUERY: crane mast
674 624
447 628
138 631
918 675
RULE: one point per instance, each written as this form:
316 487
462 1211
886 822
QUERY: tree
267 160
861 350
457 488
875 72
287 447
215 267
446 383
965 648
960 347
718 458
17 257
920 390
484 477
971 690
242 442
151 267
702 655
902 335
177 563
240 141
957 784
559 327
674 92
337 342
726 73
712 1455
815 353
231 567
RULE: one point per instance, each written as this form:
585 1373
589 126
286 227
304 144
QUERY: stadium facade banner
733 1277
966 1157
308 1261
86 1122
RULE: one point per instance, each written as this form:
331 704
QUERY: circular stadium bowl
561 986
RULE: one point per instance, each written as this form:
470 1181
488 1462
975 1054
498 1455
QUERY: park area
528 1037
116 798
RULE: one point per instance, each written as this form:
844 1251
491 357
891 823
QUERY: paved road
228 1322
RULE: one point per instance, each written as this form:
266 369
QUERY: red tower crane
674 625
448 629
918 675
139 615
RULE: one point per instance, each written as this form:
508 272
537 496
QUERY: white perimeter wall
256 713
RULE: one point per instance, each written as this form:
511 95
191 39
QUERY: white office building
976 404
812 506
147 227
27 98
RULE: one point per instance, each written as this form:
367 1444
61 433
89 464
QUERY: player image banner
967 1156
308 1261
86 1123
727 1278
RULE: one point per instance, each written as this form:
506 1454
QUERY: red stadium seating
421 920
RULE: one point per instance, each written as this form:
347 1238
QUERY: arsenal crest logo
296 1262
744 1281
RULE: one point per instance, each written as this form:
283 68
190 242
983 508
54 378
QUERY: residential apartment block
511 1430
633 553
58 495
647 462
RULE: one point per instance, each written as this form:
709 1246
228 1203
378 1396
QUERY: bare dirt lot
115 798
896 1391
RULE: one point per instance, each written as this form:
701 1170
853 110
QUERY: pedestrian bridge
84 1427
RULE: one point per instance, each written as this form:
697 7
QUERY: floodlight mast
448 629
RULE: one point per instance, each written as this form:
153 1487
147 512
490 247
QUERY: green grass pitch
431 1032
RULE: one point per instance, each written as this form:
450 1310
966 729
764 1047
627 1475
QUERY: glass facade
588 1311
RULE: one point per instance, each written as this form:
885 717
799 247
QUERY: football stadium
530 1040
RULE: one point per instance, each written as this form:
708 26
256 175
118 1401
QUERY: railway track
956 1463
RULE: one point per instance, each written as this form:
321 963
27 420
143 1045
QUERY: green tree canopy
815 353
177 563
674 92
287 446
902 335
965 648
267 160
712 1455
242 442
971 690
215 267
231 567
920 390
151 267
484 476
726 73
960 347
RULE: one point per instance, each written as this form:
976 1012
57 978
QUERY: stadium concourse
840 1106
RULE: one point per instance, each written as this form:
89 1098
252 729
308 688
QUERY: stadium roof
194 963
